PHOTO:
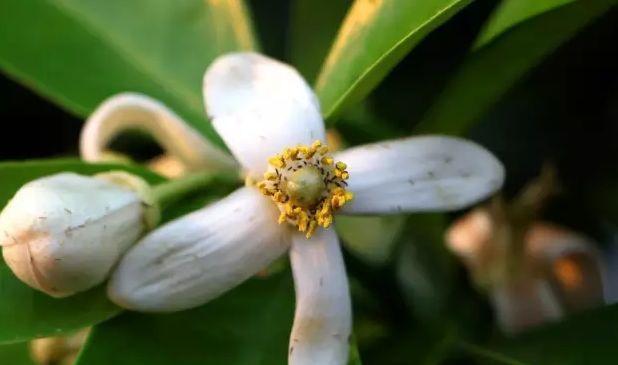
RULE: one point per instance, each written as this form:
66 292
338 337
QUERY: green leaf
78 52
374 37
16 354
370 238
26 313
313 27
516 38
587 338
425 267
354 358
249 325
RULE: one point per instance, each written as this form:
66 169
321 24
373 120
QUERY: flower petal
429 173
323 319
260 106
136 111
196 258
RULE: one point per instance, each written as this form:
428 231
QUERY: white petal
429 173
260 106
323 319
196 258
127 111
63 233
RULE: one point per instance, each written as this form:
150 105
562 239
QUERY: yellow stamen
307 186
277 161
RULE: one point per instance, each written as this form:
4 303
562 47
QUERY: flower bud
62 234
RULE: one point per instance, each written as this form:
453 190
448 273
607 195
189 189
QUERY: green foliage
425 267
370 238
311 39
26 313
588 338
373 38
519 35
78 52
15 354
249 325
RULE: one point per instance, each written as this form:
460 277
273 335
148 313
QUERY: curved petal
429 173
323 318
196 258
135 111
260 106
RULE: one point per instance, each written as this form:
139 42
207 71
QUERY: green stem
172 191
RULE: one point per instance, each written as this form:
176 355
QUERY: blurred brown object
60 350
533 271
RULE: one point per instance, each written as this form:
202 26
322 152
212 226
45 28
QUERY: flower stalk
172 191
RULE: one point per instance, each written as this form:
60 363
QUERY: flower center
307 186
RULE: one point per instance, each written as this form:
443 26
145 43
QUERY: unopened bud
62 234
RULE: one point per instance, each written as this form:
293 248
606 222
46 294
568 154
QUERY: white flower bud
62 234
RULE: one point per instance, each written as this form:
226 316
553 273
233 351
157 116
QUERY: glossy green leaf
516 38
313 27
15 354
587 338
249 325
78 52
374 37
26 313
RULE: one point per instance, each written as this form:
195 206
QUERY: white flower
63 233
270 120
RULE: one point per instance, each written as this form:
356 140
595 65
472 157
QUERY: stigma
307 186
